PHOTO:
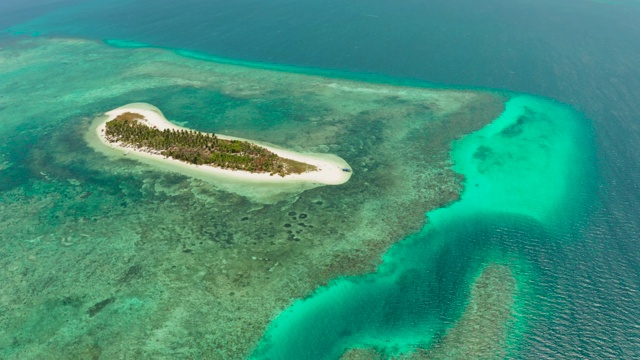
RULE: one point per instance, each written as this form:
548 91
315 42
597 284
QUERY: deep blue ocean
581 53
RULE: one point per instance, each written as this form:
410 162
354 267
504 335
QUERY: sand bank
329 167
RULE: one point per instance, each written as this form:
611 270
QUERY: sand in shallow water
261 185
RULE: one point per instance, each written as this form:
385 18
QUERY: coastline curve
262 187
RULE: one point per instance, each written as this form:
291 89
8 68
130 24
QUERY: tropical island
199 148
142 131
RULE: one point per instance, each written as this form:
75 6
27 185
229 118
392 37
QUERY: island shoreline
330 167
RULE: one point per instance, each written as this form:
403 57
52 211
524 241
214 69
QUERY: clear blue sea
551 186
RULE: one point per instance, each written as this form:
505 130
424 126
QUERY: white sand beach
329 167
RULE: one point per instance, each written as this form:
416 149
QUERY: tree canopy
198 148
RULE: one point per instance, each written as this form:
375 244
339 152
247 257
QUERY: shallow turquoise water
579 52
148 260
521 172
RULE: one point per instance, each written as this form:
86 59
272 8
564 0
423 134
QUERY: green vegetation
199 148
